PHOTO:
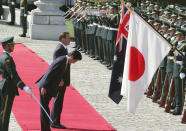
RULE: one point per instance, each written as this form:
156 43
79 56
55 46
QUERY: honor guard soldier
112 33
9 83
23 17
98 35
162 66
12 4
180 21
104 32
173 18
179 71
168 68
170 104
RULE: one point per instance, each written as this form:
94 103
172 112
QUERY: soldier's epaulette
182 46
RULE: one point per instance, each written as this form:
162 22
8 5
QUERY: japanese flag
146 48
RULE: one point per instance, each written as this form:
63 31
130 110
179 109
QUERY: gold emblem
8 60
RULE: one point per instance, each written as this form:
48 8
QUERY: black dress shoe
22 35
104 63
87 53
58 126
96 58
84 51
80 49
110 68
108 65
177 111
92 56
10 23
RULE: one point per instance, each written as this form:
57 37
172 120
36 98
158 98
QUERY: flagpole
137 12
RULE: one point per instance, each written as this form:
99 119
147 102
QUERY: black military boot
11 23
22 35
177 111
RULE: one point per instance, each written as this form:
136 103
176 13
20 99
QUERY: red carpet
77 114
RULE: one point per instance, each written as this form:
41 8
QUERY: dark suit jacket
10 78
61 51
51 79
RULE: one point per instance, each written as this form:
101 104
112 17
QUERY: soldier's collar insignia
8 60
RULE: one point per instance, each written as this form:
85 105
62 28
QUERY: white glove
13 3
25 15
176 53
27 89
182 75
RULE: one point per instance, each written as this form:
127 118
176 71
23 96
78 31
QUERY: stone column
47 21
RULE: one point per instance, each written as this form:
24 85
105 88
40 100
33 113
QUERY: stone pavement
91 79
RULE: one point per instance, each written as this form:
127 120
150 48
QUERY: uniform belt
22 7
90 25
170 57
95 24
116 29
100 26
179 62
107 28
103 26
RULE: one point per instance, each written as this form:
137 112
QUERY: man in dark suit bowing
61 50
51 83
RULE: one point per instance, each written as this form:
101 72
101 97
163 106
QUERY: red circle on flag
136 64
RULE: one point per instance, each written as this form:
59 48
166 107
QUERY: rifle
158 83
172 86
83 16
81 13
69 10
150 90
165 91
75 13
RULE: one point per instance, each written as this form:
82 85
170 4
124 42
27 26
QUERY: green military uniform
76 30
95 24
112 34
74 22
82 35
163 63
169 69
12 4
88 41
98 37
23 16
179 67
8 85
91 33
87 48
103 45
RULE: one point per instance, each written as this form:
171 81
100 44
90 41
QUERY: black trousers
45 122
12 12
24 23
58 105
5 110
